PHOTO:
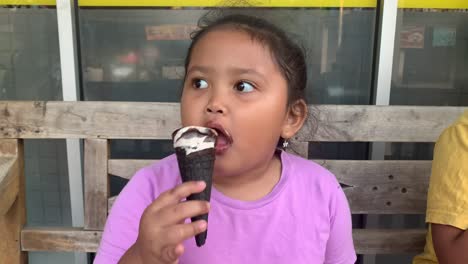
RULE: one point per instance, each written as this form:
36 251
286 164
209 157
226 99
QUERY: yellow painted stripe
215 3
436 4
28 2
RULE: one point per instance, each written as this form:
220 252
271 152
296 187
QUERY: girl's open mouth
224 139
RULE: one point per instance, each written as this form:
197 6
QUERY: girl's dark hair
287 54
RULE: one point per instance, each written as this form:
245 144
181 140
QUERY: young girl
245 78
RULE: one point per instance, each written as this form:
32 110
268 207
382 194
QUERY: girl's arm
450 244
131 256
447 203
121 230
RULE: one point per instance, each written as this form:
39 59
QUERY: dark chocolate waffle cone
197 166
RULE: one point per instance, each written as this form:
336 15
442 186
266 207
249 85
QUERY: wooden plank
110 203
389 241
125 168
60 239
12 194
9 148
366 241
371 186
59 119
96 183
299 148
9 183
140 120
383 187
357 123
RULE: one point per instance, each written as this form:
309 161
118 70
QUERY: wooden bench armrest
9 183
12 203
58 239
366 241
389 241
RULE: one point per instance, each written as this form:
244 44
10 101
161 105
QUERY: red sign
412 37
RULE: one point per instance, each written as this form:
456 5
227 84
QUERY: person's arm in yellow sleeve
448 195
450 244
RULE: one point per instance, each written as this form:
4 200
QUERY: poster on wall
444 37
412 37
169 32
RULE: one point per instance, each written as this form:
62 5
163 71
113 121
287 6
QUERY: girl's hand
162 228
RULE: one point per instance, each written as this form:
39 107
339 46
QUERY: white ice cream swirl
194 138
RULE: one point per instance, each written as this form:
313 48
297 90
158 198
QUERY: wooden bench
372 186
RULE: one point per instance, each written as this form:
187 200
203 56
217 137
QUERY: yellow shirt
447 199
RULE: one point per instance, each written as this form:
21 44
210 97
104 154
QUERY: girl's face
233 85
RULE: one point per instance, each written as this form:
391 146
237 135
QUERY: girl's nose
215 109
216 105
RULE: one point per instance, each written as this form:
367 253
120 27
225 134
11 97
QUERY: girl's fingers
176 234
171 254
176 214
164 220
175 195
179 250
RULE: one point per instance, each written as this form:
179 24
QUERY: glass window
29 48
430 62
137 54
430 67
30 70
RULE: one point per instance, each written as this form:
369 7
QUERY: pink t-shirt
305 219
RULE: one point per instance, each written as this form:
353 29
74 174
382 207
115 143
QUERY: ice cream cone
195 157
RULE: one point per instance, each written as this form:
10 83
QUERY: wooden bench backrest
371 186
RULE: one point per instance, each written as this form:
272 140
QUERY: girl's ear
295 118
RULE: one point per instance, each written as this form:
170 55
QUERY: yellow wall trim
28 2
213 3
435 4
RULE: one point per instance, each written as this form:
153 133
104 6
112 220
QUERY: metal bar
70 86
386 43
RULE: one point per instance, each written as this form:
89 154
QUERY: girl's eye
200 84
244 87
